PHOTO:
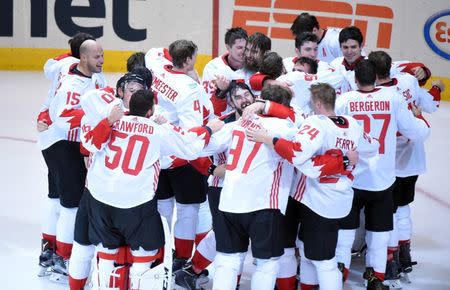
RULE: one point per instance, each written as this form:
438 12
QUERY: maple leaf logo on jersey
97 86
201 132
288 149
74 115
328 163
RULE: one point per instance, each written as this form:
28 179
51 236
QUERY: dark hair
382 63
120 83
261 41
272 65
309 61
324 93
181 50
233 34
305 22
140 102
136 59
305 37
351 32
277 94
235 85
76 41
365 73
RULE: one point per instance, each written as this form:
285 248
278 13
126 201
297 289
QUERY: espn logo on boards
275 21
437 33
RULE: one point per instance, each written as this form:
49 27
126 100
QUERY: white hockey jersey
256 176
329 196
124 172
382 112
301 82
56 68
329 47
65 110
410 157
289 63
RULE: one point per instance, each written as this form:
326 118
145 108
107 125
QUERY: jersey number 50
126 160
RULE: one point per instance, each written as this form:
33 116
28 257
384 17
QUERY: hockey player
306 45
410 162
120 210
264 199
61 147
350 40
329 48
98 105
54 69
299 82
184 103
382 112
240 97
325 199
219 72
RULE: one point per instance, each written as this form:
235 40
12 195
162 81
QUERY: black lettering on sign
6 18
38 18
64 12
121 24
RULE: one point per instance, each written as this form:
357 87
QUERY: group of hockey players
279 155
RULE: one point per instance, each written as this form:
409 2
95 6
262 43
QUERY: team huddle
282 156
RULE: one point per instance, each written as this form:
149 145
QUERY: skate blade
44 271
59 278
393 284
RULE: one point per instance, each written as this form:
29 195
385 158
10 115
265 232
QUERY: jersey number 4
113 163
386 118
236 153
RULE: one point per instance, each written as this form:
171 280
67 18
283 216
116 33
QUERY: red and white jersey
65 109
124 172
180 96
301 82
382 112
329 47
157 56
218 66
410 156
328 195
256 176
56 68
289 63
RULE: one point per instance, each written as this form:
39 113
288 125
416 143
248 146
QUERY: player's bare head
272 65
234 34
76 41
277 94
141 103
305 22
323 94
382 63
257 45
306 65
306 44
240 95
182 52
303 37
351 33
136 59
365 73
91 56
350 41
